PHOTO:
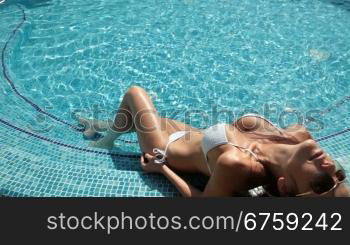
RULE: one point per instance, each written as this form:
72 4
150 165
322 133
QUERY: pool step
32 167
36 178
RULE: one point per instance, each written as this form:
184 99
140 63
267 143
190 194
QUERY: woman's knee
139 101
135 90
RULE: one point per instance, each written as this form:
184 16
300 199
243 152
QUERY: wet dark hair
288 139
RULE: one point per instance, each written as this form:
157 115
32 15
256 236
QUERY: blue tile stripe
9 80
66 145
333 135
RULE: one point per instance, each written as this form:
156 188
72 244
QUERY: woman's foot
106 142
89 131
103 143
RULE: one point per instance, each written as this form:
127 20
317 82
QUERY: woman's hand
148 164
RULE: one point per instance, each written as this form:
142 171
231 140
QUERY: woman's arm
186 189
227 178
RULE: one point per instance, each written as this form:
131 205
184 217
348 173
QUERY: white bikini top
216 135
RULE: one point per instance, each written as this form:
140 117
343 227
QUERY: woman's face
306 163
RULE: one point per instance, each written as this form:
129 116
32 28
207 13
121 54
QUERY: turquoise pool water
193 57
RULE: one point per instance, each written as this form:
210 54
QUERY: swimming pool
286 59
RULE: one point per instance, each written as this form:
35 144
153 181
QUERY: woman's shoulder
235 159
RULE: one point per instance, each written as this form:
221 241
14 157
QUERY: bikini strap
161 154
244 149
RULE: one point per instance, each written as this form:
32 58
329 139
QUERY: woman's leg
137 113
121 124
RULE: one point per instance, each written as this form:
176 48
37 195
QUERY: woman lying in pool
248 153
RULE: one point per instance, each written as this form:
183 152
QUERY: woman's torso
186 154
